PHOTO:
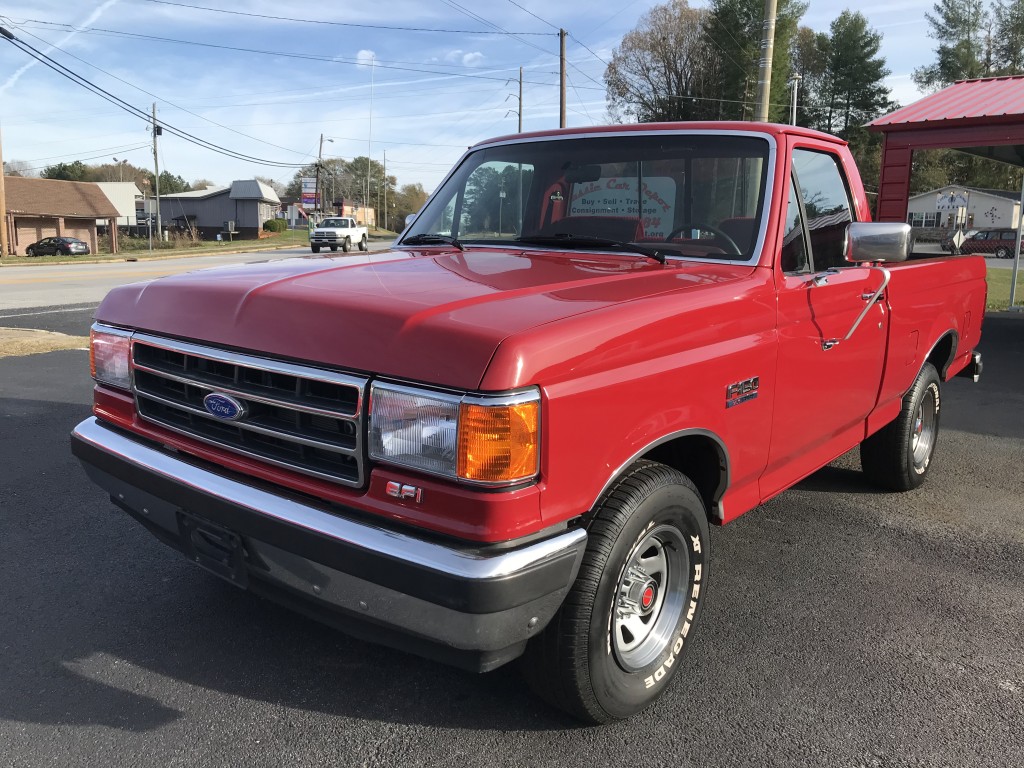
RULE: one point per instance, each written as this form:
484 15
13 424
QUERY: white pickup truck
338 231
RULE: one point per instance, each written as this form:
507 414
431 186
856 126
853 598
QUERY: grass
999 288
139 249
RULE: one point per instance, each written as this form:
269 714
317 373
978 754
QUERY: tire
615 643
30 252
315 248
347 245
1002 253
898 456
334 249
362 243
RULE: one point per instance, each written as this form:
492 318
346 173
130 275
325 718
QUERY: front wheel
898 456
617 640
362 243
1002 253
30 252
347 245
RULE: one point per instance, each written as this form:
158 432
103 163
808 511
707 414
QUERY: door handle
870 298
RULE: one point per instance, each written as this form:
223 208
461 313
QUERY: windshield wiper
431 239
566 240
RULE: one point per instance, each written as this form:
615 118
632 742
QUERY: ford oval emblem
223 406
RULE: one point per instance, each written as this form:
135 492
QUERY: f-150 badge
741 391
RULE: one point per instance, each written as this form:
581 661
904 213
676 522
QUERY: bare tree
664 68
19 168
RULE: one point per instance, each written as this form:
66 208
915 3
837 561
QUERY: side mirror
878 241
410 219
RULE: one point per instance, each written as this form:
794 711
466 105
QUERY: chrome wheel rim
649 597
923 437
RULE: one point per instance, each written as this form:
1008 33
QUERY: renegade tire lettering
677 646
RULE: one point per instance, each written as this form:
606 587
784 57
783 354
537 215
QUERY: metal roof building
982 117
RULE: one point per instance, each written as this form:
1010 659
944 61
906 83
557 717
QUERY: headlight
478 439
109 353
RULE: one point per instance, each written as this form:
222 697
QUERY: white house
976 208
123 194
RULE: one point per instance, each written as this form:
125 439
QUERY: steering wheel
735 249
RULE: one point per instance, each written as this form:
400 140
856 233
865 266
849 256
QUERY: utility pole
3 204
319 161
561 78
3 191
764 83
794 81
385 189
520 99
156 167
369 149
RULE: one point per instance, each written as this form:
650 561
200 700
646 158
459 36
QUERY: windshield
335 223
690 195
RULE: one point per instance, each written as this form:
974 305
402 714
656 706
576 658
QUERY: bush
275 225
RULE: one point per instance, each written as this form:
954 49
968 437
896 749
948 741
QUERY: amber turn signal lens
498 443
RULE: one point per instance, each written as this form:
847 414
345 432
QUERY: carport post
3 204
1016 253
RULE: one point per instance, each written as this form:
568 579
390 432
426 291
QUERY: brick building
38 208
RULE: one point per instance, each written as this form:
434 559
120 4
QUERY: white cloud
365 58
453 56
472 59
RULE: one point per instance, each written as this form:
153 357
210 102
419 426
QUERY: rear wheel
334 249
347 245
898 456
618 638
315 248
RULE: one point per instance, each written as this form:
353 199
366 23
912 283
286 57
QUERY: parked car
999 242
50 246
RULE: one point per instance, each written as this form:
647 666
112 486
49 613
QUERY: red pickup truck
509 433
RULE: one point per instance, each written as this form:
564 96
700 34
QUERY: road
32 286
845 627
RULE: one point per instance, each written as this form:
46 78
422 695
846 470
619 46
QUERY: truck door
824 390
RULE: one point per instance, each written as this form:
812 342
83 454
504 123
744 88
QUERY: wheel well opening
703 460
942 353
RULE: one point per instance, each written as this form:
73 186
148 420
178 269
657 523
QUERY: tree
854 82
665 68
1008 45
75 171
735 27
169 183
200 184
274 184
18 168
959 26
810 60
409 199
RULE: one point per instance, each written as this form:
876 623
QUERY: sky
373 78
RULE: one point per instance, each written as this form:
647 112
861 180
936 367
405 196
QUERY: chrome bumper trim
403 547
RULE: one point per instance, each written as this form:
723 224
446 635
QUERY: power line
135 111
499 29
538 18
287 54
158 98
321 22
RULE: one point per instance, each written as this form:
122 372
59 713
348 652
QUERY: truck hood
417 315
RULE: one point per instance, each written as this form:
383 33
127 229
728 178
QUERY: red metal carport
983 117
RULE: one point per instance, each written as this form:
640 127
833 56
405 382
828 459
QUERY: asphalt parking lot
845 627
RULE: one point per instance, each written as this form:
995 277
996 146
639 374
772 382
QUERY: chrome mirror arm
870 299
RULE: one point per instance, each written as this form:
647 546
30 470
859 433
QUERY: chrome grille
305 419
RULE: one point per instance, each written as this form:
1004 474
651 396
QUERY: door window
826 202
794 245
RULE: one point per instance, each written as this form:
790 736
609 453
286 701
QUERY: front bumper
471 606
